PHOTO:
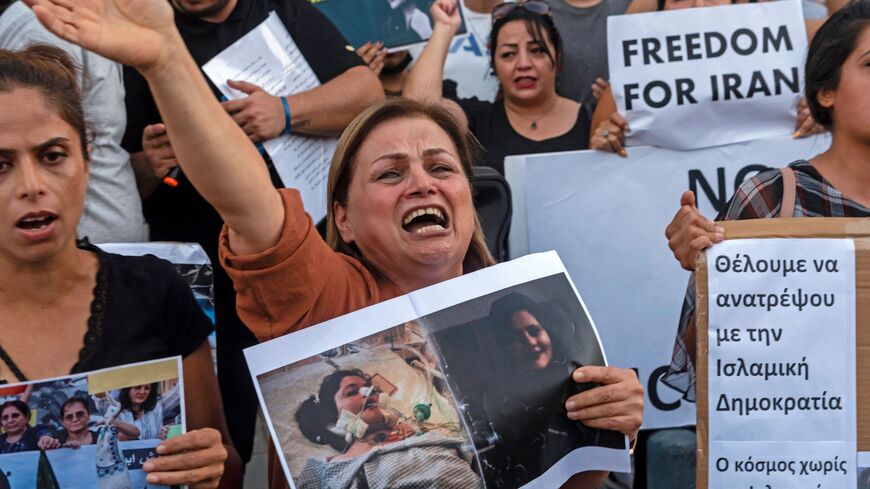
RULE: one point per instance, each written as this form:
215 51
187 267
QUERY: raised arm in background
214 152
424 83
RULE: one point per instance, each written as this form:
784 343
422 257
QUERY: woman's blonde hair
343 163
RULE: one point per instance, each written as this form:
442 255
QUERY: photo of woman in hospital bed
375 413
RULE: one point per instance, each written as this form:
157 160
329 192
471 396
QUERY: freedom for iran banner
703 77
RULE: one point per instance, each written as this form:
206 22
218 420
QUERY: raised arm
425 80
214 152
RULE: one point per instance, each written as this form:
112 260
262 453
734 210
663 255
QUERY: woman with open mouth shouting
400 214
528 116
69 307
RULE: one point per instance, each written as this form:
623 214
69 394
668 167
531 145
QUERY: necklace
534 122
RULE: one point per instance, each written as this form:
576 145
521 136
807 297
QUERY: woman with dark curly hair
144 409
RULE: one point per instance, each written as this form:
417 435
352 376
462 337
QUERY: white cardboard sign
702 77
781 365
606 216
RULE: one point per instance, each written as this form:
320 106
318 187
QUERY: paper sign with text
269 58
702 77
627 275
781 363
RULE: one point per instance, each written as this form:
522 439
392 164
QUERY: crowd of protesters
102 102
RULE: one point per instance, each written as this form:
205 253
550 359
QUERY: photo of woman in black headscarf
514 377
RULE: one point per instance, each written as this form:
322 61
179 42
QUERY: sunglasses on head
539 7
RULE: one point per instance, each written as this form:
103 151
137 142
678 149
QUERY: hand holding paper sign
260 114
373 53
610 135
195 458
46 442
805 124
617 404
690 232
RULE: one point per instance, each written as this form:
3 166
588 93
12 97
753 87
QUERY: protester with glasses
528 116
76 419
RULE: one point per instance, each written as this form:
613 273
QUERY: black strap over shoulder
12 366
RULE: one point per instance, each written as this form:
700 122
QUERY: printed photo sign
80 431
459 384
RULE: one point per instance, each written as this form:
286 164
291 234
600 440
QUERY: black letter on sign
745 171
627 51
781 36
779 78
757 85
685 86
735 44
631 94
647 96
651 48
718 201
674 47
708 41
653 392
731 82
693 45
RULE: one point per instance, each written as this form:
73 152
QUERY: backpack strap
788 192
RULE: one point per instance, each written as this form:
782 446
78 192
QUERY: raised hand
445 13
131 32
690 232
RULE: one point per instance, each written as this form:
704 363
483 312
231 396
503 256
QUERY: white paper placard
781 364
269 58
702 77
452 322
610 235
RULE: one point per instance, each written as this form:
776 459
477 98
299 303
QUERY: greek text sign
781 364
627 275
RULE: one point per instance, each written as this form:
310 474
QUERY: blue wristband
286 115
